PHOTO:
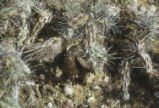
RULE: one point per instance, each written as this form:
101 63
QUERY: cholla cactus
98 55
26 7
145 57
138 47
45 17
125 79
12 72
95 50
107 17
149 27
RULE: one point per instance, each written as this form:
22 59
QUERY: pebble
68 90
91 100
97 88
50 105
69 102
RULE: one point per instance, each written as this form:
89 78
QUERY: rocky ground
79 53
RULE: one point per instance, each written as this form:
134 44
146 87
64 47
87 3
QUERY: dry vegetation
79 54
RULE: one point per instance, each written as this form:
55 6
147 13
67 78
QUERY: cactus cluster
97 47
13 72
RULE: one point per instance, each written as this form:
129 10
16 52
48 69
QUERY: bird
74 66
48 49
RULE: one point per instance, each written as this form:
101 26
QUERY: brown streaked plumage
49 49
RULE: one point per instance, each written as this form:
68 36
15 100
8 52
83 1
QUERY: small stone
91 100
97 88
68 90
50 105
69 103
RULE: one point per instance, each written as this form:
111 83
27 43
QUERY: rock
50 105
68 90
